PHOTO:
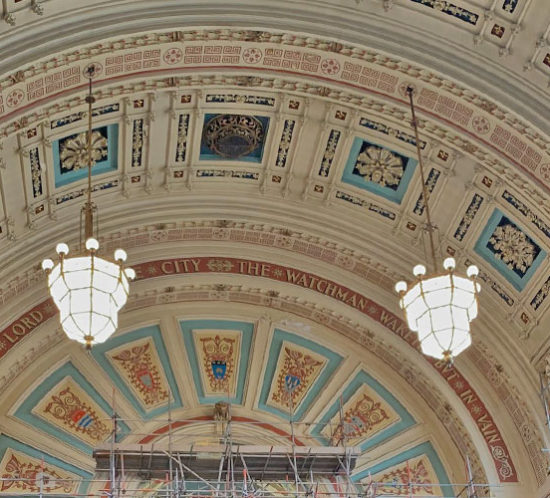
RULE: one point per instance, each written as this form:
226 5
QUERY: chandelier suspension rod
430 227
88 207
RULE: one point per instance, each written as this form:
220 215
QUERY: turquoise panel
362 378
99 353
526 255
64 176
247 331
422 449
7 442
332 364
24 412
394 192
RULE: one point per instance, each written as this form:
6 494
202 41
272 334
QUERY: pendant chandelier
439 306
88 290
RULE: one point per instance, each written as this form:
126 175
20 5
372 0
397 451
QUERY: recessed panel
379 170
70 154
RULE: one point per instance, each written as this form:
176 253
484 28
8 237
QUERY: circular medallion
92 70
233 135
481 125
545 171
252 55
15 98
173 56
330 66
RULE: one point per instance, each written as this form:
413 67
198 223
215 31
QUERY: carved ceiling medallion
233 135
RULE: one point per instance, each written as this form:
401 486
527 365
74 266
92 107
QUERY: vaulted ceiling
257 162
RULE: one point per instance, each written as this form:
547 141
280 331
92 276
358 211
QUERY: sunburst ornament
88 290
439 306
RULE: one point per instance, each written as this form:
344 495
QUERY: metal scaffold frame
227 468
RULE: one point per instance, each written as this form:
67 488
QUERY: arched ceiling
293 247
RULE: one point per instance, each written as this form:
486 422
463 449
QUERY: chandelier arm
423 179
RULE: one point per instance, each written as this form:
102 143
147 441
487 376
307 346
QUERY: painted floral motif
380 166
513 247
77 415
218 361
143 374
417 474
509 5
360 419
451 9
74 151
297 371
22 475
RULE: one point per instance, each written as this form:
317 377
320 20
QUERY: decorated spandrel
364 415
415 477
297 369
218 353
140 367
71 409
22 474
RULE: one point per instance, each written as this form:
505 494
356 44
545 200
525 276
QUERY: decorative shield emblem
146 379
219 369
357 423
81 418
291 382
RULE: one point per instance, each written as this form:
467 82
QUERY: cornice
55 33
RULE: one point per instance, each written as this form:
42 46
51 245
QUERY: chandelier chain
430 226
88 208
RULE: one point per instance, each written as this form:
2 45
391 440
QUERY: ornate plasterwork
513 247
511 397
218 354
439 95
233 136
380 166
74 151
456 380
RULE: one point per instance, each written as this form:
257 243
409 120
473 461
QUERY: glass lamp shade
440 308
89 291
